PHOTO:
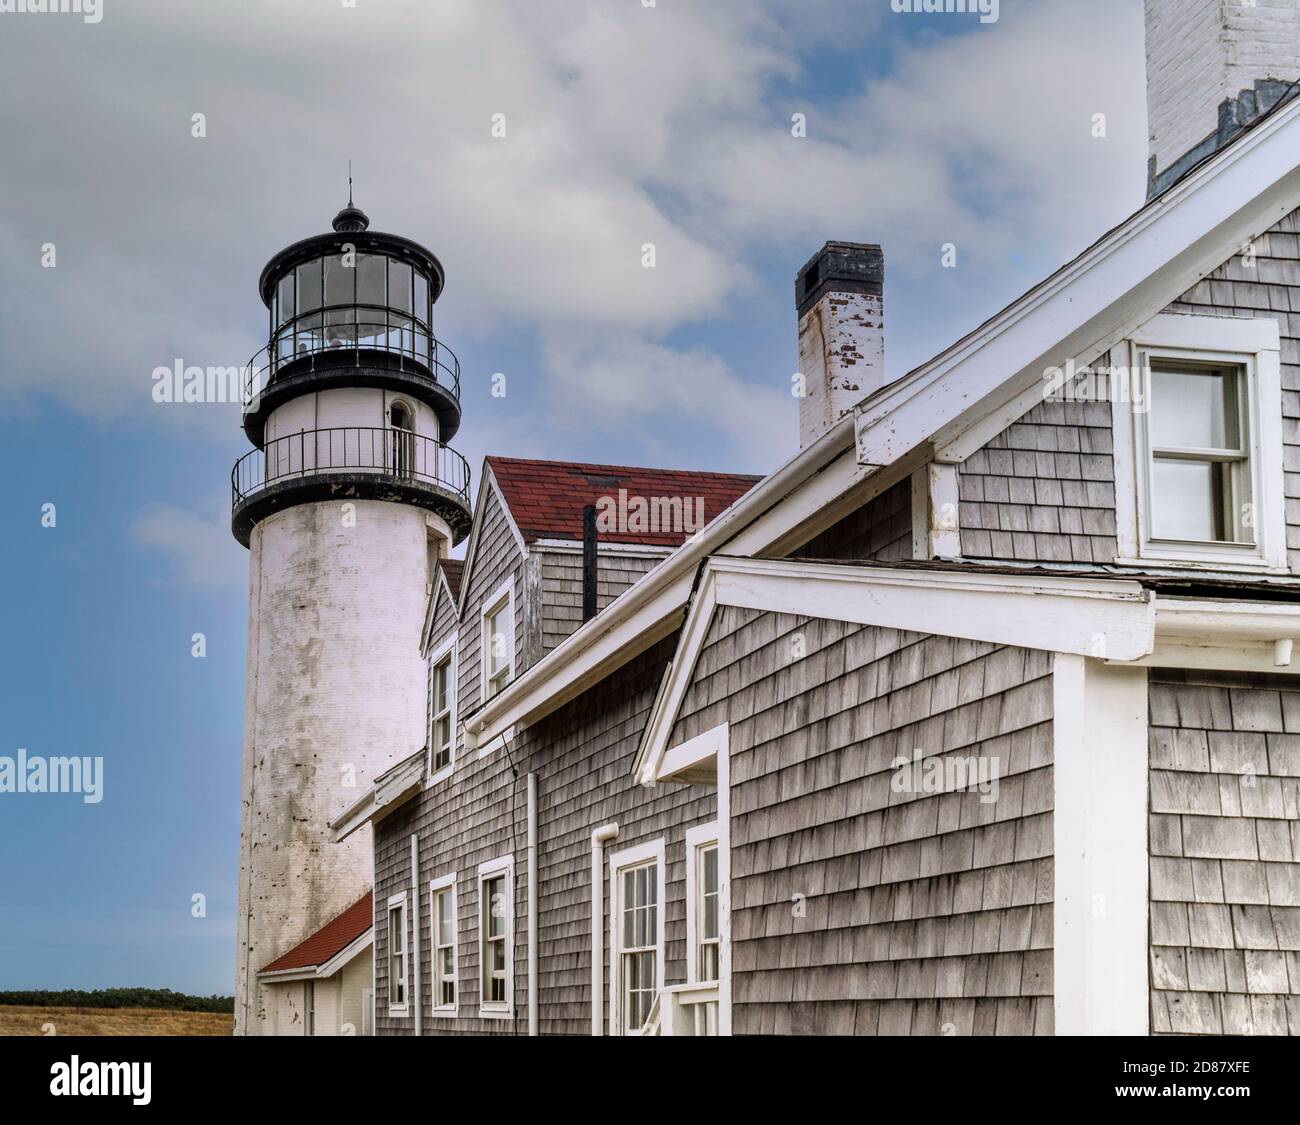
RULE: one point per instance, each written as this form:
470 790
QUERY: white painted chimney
839 295
1203 52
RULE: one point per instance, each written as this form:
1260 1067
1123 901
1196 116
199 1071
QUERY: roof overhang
390 791
328 968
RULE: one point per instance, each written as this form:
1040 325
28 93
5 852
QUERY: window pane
399 286
1193 410
421 297
340 281
371 273
309 276
1187 500
711 871
284 298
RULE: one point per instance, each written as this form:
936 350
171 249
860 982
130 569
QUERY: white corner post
936 531
1101 905
599 838
415 931
532 904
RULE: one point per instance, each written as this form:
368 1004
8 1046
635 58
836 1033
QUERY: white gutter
532 904
599 838
415 926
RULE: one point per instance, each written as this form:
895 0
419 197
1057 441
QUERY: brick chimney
839 296
1202 54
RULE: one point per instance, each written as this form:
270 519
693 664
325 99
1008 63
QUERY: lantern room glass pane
340 281
284 299
371 275
309 286
399 285
421 297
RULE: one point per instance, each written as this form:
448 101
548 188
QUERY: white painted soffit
1084 616
1095 301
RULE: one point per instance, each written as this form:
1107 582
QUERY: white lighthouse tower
345 504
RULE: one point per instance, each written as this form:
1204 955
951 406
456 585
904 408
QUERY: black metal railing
394 454
327 335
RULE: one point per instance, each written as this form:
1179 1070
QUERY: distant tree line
163 998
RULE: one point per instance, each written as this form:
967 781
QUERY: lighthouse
346 502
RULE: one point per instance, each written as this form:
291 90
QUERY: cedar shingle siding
1225 854
880 530
855 908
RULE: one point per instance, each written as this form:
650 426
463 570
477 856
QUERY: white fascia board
488 484
288 976
1093 303
440 589
349 952
574 547
804 491
1080 616
360 812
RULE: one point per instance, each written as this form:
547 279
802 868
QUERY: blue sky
625 125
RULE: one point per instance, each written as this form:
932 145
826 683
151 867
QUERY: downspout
532 904
415 927
599 838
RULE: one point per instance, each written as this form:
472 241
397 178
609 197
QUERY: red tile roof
329 940
546 498
453 569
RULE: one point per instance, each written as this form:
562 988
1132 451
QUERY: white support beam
1101 899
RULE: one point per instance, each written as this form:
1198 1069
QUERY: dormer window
498 640
1197 411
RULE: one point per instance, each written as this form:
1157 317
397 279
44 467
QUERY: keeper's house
979 715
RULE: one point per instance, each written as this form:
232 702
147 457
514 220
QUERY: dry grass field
113 1021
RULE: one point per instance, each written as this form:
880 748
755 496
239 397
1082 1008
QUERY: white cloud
200 549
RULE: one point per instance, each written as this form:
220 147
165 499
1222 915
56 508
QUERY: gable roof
546 498
948 407
330 940
452 570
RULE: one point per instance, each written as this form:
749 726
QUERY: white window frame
1253 345
503 595
618 863
447 884
504 866
449 651
699 839
398 902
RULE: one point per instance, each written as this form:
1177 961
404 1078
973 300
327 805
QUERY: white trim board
1093 617
1100 900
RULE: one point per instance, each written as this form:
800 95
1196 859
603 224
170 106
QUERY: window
309 1007
496 960
443 916
498 645
637 891
397 954
442 709
709 936
1198 450
1198 453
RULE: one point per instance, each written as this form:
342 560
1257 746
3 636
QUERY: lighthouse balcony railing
343 335
394 454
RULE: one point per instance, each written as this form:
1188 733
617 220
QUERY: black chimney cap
840 267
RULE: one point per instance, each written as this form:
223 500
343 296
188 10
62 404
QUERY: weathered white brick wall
1202 51
841 356
335 680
